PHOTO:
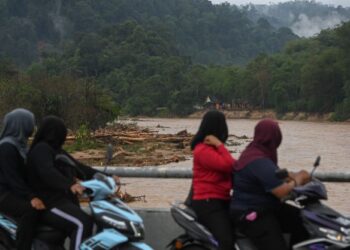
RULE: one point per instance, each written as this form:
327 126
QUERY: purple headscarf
267 138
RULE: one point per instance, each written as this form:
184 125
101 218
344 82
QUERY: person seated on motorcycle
55 176
17 200
212 174
256 206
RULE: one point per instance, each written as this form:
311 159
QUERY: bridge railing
183 172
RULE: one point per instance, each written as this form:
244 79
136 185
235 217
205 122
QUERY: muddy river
302 142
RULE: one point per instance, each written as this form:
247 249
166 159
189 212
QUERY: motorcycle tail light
178 245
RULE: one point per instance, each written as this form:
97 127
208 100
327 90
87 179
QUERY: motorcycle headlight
115 223
346 231
334 235
138 229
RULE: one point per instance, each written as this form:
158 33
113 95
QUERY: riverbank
260 114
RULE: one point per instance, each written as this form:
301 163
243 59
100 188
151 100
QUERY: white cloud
306 27
345 3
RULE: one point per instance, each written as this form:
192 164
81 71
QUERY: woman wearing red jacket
212 178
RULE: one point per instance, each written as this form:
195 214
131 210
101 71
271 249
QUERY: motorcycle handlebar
88 191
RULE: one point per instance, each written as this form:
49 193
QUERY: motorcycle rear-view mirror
317 161
109 155
316 164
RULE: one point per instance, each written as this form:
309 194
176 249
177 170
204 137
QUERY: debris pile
134 146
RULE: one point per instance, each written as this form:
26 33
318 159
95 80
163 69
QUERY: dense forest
209 34
88 61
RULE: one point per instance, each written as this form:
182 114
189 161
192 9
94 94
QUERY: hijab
18 125
267 138
213 123
52 131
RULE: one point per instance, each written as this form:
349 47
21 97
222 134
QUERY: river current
302 143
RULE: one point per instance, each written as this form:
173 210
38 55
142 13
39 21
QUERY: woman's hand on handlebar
294 179
37 204
302 177
77 188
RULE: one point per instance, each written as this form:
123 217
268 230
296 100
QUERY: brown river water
302 142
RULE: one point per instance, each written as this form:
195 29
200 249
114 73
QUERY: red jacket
212 172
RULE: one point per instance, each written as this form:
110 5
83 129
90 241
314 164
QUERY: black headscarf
18 125
213 123
52 131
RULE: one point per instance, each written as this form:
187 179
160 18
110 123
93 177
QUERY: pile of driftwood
134 146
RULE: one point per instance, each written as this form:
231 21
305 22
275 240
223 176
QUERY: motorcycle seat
190 212
239 234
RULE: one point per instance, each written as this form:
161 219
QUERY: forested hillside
216 34
91 60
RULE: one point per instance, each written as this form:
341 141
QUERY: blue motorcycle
118 227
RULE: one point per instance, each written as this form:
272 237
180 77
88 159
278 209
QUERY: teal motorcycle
118 227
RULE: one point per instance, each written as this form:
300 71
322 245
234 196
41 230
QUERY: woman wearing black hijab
54 175
256 206
212 181
17 200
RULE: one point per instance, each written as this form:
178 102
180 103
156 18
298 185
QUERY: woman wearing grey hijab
16 198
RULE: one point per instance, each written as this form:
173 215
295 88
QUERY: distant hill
91 59
207 33
304 18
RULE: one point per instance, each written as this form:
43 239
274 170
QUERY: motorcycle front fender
107 239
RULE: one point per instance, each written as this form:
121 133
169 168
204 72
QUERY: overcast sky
345 3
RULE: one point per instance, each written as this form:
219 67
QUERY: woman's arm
296 179
42 159
86 172
215 157
10 164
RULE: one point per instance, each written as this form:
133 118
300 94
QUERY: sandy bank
260 114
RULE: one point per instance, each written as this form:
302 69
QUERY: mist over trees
305 18
88 61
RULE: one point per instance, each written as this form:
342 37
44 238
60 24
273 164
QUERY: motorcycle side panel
8 226
192 227
107 239
141 245
320 243
117 207
244 244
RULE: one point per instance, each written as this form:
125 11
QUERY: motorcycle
118 227
328 228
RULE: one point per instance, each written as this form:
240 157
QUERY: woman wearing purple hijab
256 205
